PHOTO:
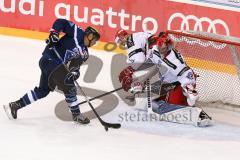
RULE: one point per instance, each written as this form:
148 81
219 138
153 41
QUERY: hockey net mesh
215 59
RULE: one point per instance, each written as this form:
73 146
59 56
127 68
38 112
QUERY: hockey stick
149 98
102 95
105 124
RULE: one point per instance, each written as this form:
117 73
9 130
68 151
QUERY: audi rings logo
198 25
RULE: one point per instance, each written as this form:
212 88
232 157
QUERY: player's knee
177 97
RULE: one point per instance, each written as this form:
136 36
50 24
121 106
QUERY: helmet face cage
164 38
120 36
91 30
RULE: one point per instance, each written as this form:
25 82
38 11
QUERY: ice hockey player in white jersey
179 102
135 45
178 72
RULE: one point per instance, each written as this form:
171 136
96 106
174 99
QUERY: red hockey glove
125 77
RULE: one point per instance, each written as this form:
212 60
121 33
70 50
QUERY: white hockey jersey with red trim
177 69
136 47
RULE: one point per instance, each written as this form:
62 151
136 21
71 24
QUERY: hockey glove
125 77
52 39
136 87
190 92
73 75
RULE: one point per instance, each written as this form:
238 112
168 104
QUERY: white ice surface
39 135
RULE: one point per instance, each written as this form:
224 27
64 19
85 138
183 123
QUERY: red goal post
215 58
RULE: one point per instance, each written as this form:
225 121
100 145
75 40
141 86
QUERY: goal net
215 58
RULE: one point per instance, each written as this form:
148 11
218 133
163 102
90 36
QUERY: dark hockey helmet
91 30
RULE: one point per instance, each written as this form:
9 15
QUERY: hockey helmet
164 38
91 30
120 35
161 34
152 40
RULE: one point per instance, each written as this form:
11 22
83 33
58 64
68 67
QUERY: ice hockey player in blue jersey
73 49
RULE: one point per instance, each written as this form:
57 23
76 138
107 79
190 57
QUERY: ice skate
12 108
80 119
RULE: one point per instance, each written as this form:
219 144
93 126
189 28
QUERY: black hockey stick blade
111 125
105 124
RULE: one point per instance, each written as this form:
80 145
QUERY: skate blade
81 124
205 123
8 111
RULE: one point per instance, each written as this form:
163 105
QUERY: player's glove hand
125 77
52 39
136 87
190 92
73 75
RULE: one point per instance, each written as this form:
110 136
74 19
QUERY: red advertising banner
109 16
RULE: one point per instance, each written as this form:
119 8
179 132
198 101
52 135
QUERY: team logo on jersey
69 55
190 75
76 50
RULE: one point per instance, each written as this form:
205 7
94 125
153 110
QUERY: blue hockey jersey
71 46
